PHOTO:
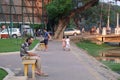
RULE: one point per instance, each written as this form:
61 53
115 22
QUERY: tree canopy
61 11
59 8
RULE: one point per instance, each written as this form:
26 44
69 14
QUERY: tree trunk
60 28
63 22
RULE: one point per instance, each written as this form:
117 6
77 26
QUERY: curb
10 73
8 53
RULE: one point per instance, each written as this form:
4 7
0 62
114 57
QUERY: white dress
68 43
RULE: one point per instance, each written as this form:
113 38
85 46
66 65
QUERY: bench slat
28 61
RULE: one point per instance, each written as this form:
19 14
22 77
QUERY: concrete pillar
98 31
104 31
117 29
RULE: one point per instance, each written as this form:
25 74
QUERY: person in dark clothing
46 38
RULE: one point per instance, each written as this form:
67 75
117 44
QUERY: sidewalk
62 65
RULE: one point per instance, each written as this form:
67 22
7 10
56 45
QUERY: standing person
46 38
68 43
26 54
25 33
63 43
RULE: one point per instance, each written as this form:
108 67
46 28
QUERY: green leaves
58 8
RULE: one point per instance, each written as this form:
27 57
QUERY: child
63 43
68 43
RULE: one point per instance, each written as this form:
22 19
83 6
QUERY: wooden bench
41 46
26 63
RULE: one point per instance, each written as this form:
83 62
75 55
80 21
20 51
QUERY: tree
98 13
62 11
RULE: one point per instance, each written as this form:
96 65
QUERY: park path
62 65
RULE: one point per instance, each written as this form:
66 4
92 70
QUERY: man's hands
32 54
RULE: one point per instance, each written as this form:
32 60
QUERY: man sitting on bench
26 54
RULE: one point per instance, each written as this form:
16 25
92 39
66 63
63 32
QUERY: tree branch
86 6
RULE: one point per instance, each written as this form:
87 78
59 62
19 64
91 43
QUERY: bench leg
25 69
33 70
42 46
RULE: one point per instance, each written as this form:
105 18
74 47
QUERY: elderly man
26 54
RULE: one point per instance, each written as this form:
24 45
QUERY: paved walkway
62 65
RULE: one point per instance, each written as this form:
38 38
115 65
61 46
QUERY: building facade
23 11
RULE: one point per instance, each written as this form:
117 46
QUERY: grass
12 45
113 66
3 73
94 49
